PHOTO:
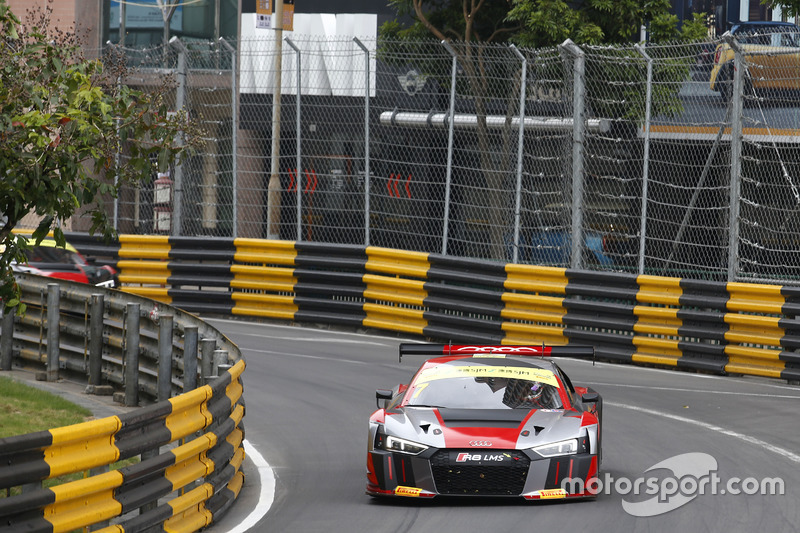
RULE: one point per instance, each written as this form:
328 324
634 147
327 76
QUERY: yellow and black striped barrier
190 445
736 328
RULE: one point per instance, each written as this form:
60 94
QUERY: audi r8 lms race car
486 421
51 260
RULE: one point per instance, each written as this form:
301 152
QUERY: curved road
309 394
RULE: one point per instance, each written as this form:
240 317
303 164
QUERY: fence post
450 133
234 140
7 339
96 339
53 325
520 151
366 138
180 103
646 164
164 357
298 136
132 355
736 156
207 347
220 359
578 136
189 358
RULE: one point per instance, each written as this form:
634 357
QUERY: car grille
452 478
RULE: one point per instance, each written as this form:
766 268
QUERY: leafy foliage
63 121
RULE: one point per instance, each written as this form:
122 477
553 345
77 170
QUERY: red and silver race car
486 421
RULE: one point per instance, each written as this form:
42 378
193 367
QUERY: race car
50 260
499 421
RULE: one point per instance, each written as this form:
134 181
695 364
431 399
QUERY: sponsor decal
407 491
550 494
509 372
465 457
551 410
480 443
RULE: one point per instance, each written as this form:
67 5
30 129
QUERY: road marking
741 436
675 389
267 495
306 356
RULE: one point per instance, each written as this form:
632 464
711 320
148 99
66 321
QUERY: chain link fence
653 159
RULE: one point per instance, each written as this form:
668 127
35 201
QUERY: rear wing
478 349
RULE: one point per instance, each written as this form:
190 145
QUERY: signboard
264 14
265 10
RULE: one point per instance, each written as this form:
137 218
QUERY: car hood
489 428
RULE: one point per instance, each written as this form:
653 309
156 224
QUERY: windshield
486 387
52 254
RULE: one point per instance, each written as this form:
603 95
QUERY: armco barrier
716 327
189 438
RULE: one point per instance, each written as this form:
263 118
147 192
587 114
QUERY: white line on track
703 391
306 356
267 495
711 427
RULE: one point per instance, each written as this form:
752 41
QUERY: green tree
790 8
63 122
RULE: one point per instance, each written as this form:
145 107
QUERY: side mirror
590 397
383 397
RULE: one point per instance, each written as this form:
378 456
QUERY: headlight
396 444
564 447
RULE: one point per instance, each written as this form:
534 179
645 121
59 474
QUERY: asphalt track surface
309 393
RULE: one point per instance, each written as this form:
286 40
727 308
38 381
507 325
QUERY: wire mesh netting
669 159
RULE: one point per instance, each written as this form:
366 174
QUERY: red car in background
48 259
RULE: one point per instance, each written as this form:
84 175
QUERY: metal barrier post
7 339
189 358
53 321
164 357
96 339
132 355
646 168
220 359
366 138
450 133
520 152
298 145
207 347
578 137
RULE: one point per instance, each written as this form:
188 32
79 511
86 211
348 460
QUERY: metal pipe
189 358
520 152
53 331
207 347
164 357
132 355
366 138
461 121
180 102
578 137
220 359
298 135
450 133
646 167
234 139
96 339
736 156
274 186
7 338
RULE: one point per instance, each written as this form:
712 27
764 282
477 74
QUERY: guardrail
733 328
188 436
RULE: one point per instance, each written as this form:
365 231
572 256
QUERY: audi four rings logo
498 349
482 443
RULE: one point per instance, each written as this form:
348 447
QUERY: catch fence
602 158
